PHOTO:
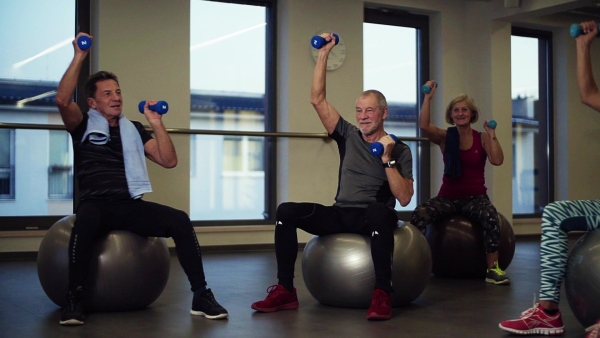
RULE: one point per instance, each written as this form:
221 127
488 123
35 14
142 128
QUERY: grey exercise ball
582 281
338 269
127 271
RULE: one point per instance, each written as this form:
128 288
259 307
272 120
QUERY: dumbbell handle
576 30
161 107
426 88
318 41
377 147
84 42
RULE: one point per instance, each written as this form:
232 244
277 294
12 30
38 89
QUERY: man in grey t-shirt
368 187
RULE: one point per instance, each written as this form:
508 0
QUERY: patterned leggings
476 208
558 219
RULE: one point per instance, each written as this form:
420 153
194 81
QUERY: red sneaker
593 331
535 321
381 306
279 298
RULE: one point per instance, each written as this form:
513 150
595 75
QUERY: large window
35 163
395 55
229 52
533 187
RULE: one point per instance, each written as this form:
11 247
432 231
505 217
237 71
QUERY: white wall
470 53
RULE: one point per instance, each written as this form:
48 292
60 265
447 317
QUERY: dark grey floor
447 308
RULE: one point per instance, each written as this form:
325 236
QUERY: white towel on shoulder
97 132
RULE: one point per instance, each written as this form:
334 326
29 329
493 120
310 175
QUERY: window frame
546 96
270 143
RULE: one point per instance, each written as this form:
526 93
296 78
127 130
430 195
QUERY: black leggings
96 218
377 221
476 208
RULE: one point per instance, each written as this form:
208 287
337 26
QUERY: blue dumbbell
576 30
318 41
161 107
426 88
377 148
84 42
492 124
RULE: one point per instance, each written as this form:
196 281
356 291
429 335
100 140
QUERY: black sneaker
73 312
205 304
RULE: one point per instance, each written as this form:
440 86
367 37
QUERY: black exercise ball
457 247
582 280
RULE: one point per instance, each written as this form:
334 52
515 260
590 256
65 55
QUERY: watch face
336 56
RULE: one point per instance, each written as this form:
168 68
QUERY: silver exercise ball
582 281
338 269
127 271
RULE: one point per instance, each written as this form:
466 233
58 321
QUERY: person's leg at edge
310 217
381 221
156 220
479 209
558 218
86 229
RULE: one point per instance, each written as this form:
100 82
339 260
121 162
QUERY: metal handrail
203 132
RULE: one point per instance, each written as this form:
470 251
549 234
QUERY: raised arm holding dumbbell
162 151
69 110
588 89
368 188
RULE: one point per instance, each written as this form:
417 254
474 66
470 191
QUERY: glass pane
232 154
39 37
390 66
228 93
5 147
255 154
40 51
60 170
528 117
7 172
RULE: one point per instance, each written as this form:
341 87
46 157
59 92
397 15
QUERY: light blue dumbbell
426 88
576 30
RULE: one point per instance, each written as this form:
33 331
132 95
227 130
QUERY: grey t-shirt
362 180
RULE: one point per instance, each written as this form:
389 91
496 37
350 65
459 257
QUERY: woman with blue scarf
463 190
